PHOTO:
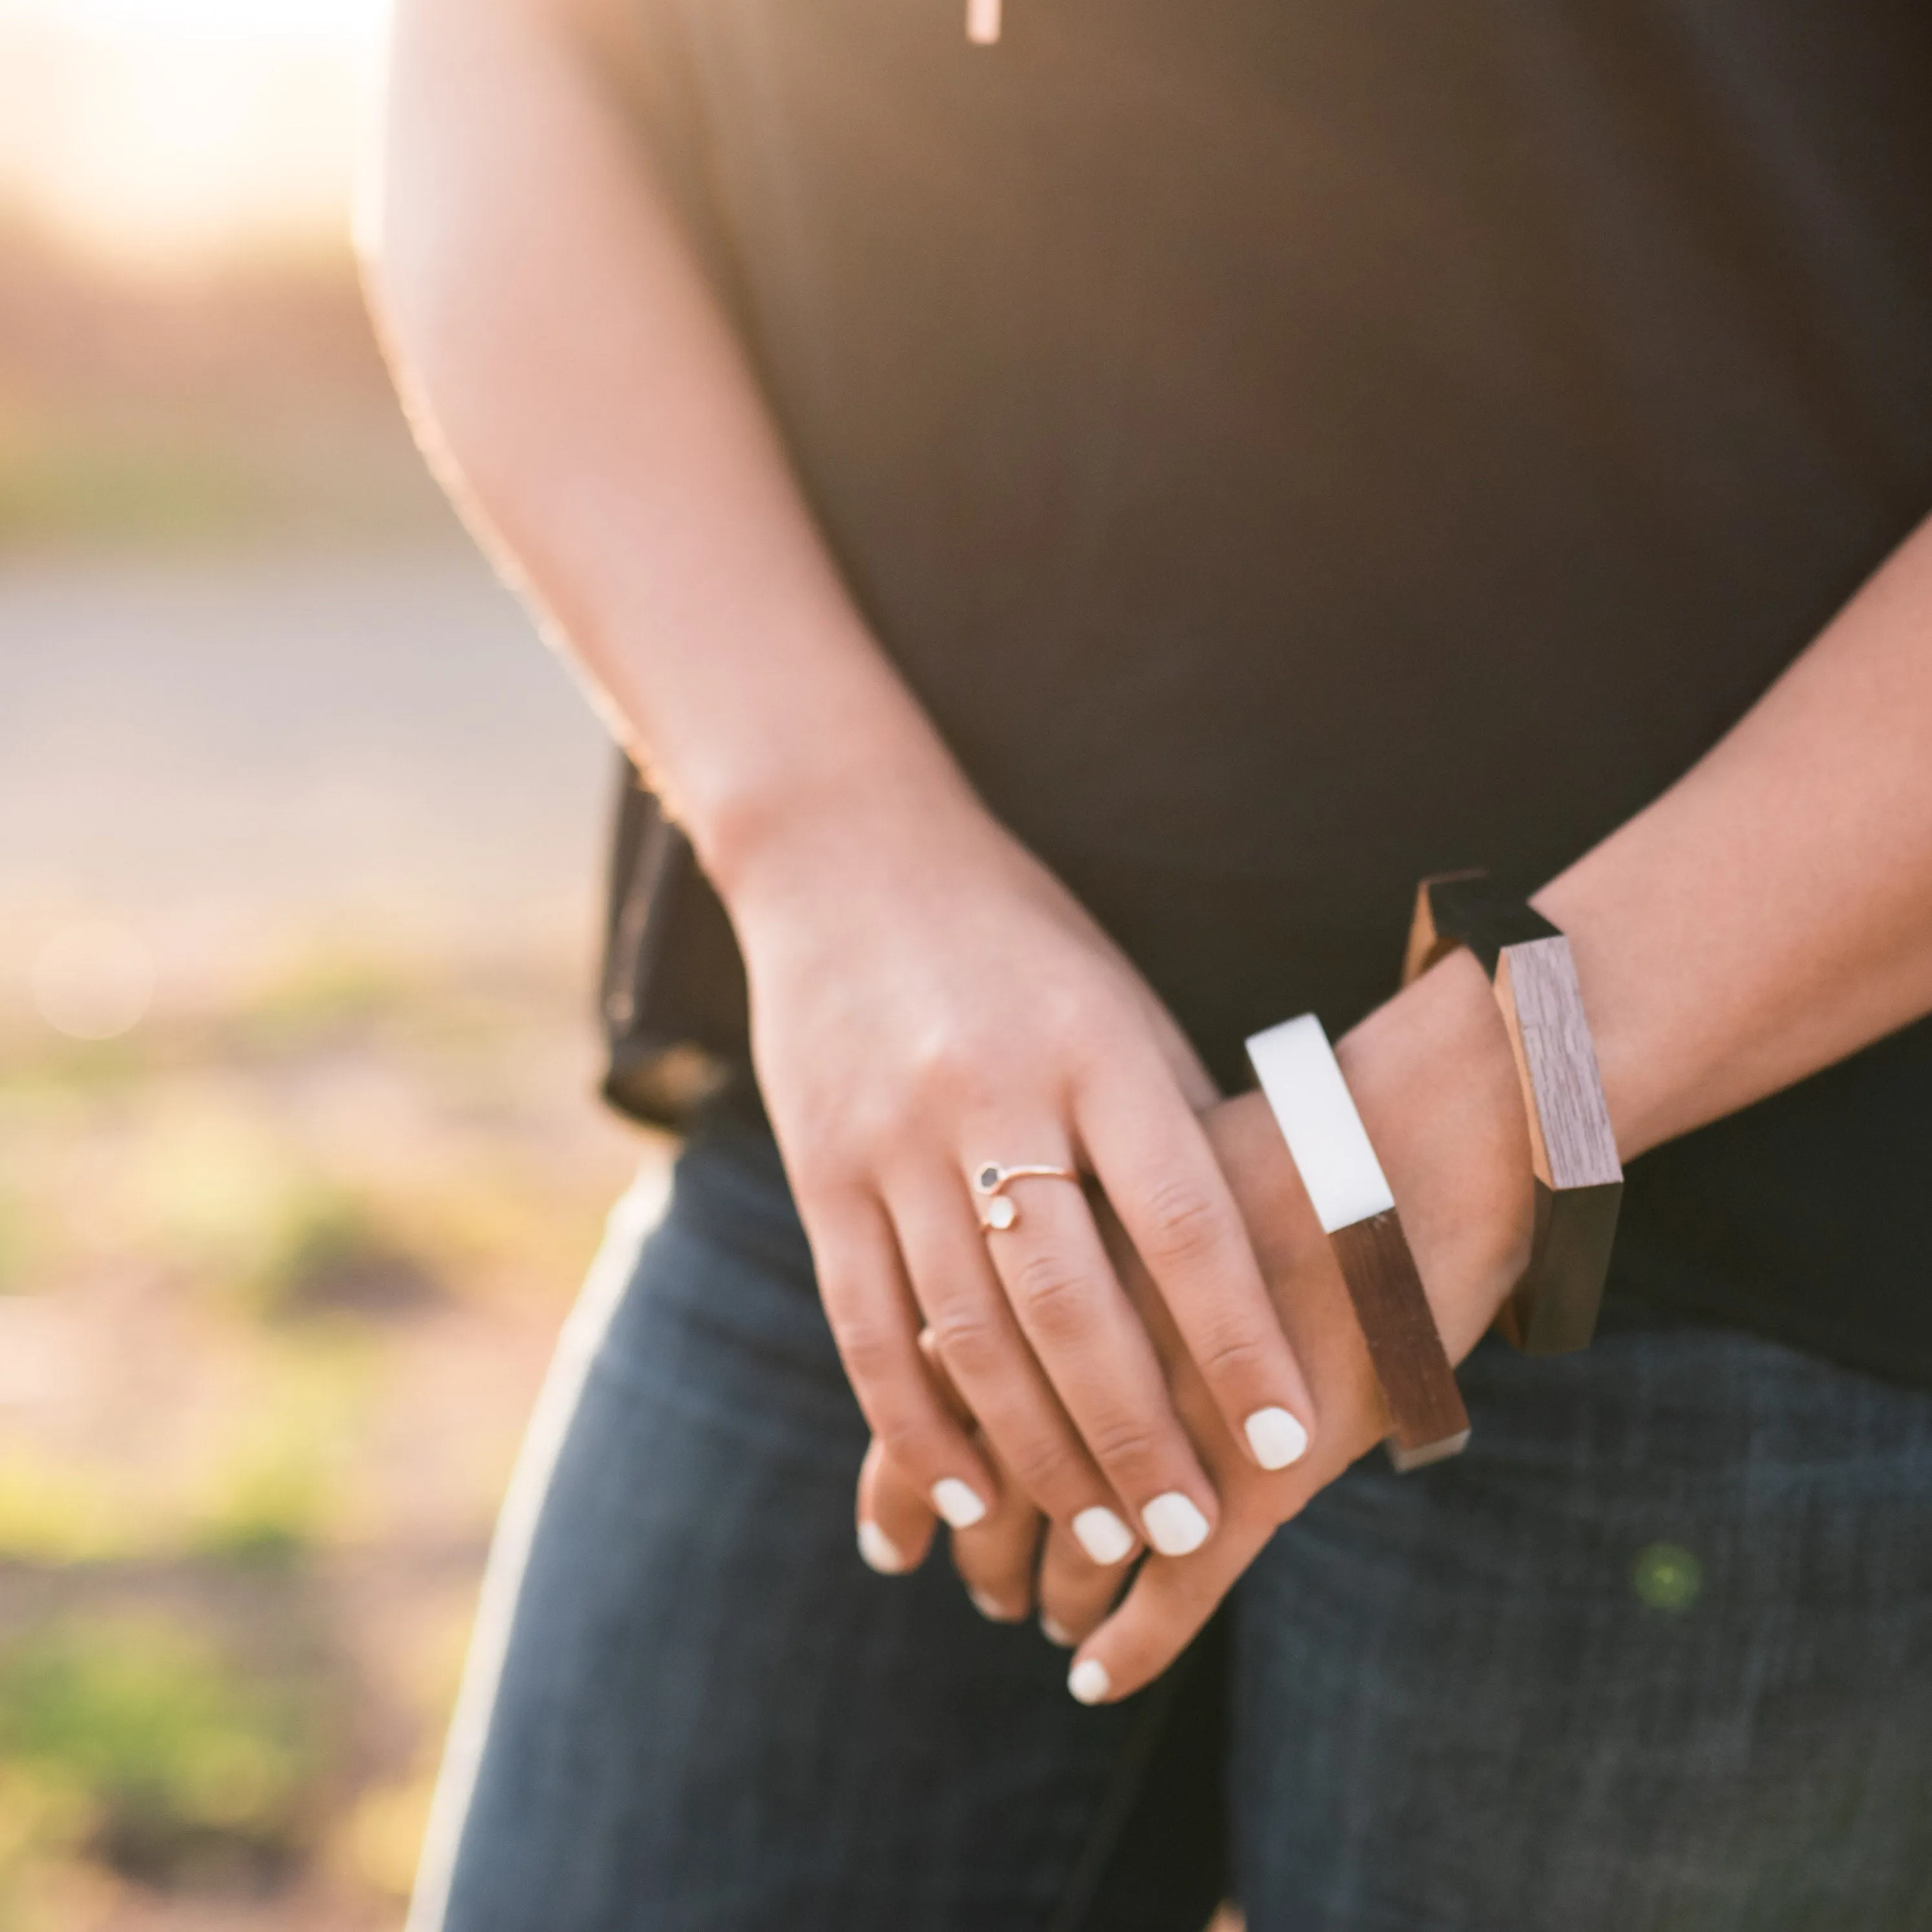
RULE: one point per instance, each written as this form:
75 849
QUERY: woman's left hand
1432 1076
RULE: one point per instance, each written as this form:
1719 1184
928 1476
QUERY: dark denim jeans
1655 1654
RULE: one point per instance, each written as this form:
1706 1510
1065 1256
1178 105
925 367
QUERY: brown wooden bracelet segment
1309 1097
1578 1177
1427 1420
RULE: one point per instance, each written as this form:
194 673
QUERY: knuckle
1181 1223
1045 1468
1055 1296
814 1176
879 1134
1232 1357
1068 1012
824 1174
969 1341
950 1061
867 1351
1125 1442
906 1442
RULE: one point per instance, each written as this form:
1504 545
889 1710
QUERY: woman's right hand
927 999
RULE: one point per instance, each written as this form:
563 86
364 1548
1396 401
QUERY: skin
1433 1077
1769 914
925 996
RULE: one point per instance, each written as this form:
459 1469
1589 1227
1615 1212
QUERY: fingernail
957 1502
1089 1681
880 1551
1174 1525
1102 1535
1055 1633
991 1610
1276 1438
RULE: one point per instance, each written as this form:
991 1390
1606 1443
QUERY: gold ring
990 1181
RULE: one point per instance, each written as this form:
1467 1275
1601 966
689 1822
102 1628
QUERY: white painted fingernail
1089 1681
957 1502
880 1551
1276 1438
1054 1633
1175 1526
1102 1535
991 1610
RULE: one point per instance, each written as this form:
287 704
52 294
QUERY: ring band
991 1182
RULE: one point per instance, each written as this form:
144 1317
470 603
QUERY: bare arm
926 997
566 364
1768 915
1772 912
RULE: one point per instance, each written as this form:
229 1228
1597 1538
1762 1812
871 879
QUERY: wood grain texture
1573 1150
1573 1144
1579 1181
1552 1309
1426 1412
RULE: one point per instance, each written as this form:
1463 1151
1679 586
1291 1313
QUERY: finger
993 1370
889 1500
1165 1605
1169 1601
1013 1569
997 1558
1162 1181
895 1520
935 1357
1095 1352
1075 1593
874 1322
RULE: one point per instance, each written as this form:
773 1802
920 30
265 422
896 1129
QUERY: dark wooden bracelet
1579 1181
1312 1105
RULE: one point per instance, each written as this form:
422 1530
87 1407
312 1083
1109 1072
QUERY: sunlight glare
174 129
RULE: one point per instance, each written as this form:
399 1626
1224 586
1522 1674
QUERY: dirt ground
301 842
280 1261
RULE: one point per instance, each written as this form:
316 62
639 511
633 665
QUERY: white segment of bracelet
1307 1095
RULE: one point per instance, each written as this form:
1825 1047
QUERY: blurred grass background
300 838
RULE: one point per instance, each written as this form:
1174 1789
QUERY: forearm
1772 912
570 372
1769 914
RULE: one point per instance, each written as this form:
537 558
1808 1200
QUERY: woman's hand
927 1000
1432 1076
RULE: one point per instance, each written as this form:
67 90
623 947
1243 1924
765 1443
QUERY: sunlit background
157 132
299 840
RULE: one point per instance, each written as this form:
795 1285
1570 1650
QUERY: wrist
1435 1079
796 818
1653 1074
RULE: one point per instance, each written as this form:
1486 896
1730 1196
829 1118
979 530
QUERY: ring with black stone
990 1181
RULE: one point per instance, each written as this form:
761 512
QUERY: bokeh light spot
1667 1576
93 980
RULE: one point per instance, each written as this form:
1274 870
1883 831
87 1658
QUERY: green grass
278 1490
53 1514
137 1741
334 1250
271 1501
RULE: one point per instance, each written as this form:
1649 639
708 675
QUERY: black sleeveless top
1291 446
